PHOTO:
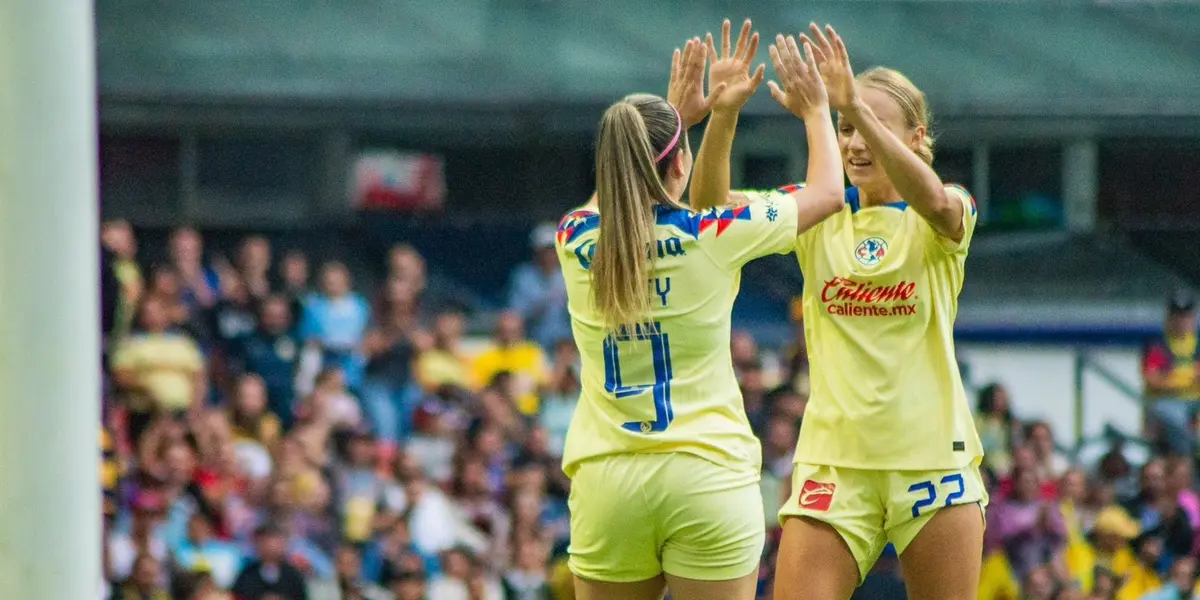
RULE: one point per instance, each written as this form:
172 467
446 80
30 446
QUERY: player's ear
917 139
681 164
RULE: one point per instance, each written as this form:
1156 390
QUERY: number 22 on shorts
931 492
660 355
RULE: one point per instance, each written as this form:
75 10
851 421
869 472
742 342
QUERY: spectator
538 293
350 582
199 283
1030 530
384 557
164 283
527 580
562 394
1181 582
1078 516
433 518
146 582
1179 485
744 351
249 417
197 586
331 404
996 426
754 395
1025 459
510 352
160 370
1142 577
1111 537
335 320
391 348
269 573
444 364
1051 464
254 266
143 537
272 352
293 281
1169 369
1039 584
410 585
460 573
232 315
1157 510
201 552
117 237
475 495
360 489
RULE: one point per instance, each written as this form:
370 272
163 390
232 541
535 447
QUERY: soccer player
663 463
888 451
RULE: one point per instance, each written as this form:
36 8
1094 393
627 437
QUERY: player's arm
710 177
802 92
916 181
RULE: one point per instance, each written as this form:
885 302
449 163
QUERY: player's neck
878 196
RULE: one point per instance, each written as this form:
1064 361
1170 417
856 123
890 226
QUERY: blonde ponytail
629 184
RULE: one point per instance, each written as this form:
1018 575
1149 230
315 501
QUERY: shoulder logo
870 251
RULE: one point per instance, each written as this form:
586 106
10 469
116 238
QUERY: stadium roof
977 58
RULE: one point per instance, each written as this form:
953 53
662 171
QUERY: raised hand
732 68
834 64
800 89
686 89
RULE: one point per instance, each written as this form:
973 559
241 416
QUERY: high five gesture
731 68
800 90
685 91
835 65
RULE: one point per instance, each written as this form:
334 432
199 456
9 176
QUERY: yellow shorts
870 508
634 516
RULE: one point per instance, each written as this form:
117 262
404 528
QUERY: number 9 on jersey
630 347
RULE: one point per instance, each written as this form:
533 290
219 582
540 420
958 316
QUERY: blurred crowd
271 434
273 431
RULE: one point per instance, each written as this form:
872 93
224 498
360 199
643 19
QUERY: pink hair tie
674 140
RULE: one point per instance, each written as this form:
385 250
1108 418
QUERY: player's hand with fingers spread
800 89
731 68
834 63
686 89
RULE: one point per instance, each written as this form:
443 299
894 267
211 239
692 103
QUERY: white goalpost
49 307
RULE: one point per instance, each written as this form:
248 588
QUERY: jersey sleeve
970 216
763 223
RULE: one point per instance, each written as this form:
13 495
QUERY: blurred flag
396 181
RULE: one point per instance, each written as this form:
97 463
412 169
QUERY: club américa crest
871 251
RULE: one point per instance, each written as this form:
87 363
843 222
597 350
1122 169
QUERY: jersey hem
753 475
859 466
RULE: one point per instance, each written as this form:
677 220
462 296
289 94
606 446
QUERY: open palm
685 91
731 68
834 64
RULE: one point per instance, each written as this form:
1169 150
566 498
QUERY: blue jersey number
660 354
930 491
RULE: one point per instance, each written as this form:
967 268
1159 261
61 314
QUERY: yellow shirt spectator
437 368
513 354
163 367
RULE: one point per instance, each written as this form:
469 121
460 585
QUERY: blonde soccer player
663 463
888 451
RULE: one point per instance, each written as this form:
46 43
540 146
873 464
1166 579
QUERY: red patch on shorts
816 496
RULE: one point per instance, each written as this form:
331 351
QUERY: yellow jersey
880 298
670 386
